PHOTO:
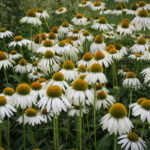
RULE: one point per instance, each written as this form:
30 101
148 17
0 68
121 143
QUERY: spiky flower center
35 73
143 13
113 51
36 86
54 91
31 112
99 55
65 24
55 29
61 43
74 38
1 148
69 41
3 56
126 69
145 105
52 35
42 80
80 85
102 20
101 95
35 63
31 13
134 6
3 101
79 16
13 52
48 43
60 9
110 46
49 54
87 56
39 10
98 39
86 33
3 30
83 2
8 91
18 38
68 65
118 111
119 7
133 137
141 41
140 100
23 89
131 75
125 24
77 108
23 62
37 39
75 31
44 111
149 48
96 68
82 68
82 76
43 36
97 3
141 3
118 46
58 76
138 55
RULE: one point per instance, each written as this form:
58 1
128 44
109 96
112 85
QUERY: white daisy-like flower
5 62
146 55
141 108
83 4
75 33
102 25
31 117
95 74
75 111
80 20
104 100
120 1
116 121
103 58
123 71
146 74
69 71
131 81
122 50
46 115
50 63
133 9
61 10
58 79
31 18
82 70
52 37
105 11
141 46
85 35
47 45
97 5
137 57
118 10
132 141
97 45
40 13
79 93
23 97
110 35
5 33
143 5
35 75
142 20
115 55
5 108
19 41
86 60
77 42
14 55
54 100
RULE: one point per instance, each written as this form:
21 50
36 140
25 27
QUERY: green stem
57 133
142 133
130 103
138 64
5 45
23 125
80 126
115 74
137 122
115 143
32 136
6 78
8 134
0 134
47 25
54 127
113 79
68 126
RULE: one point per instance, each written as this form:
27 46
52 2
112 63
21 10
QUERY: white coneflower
97 5
35 75
54 100
5 108
143 4
14 55
19 41
104 100
133 9
47 45
142 109
69 71
80 20
41 13
34 66
146 55
52 37
141 46
83 4
110 35
61 10
123 71
105 11
75 111
102 25
23 66
131 81
115 55
116 121
31 117
23 97
5 33
58 79
137 57
5 62
31 18
132 141
43 81
79 93
75 33
120 1
55 30
122 50
103 58
97 45
82 70
85 35
46 115
118 10
146 74
50 63
95 74
86 60
77 41
142 20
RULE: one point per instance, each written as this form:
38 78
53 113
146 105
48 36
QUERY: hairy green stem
130 102
80 126
23 125
142 133
115 142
